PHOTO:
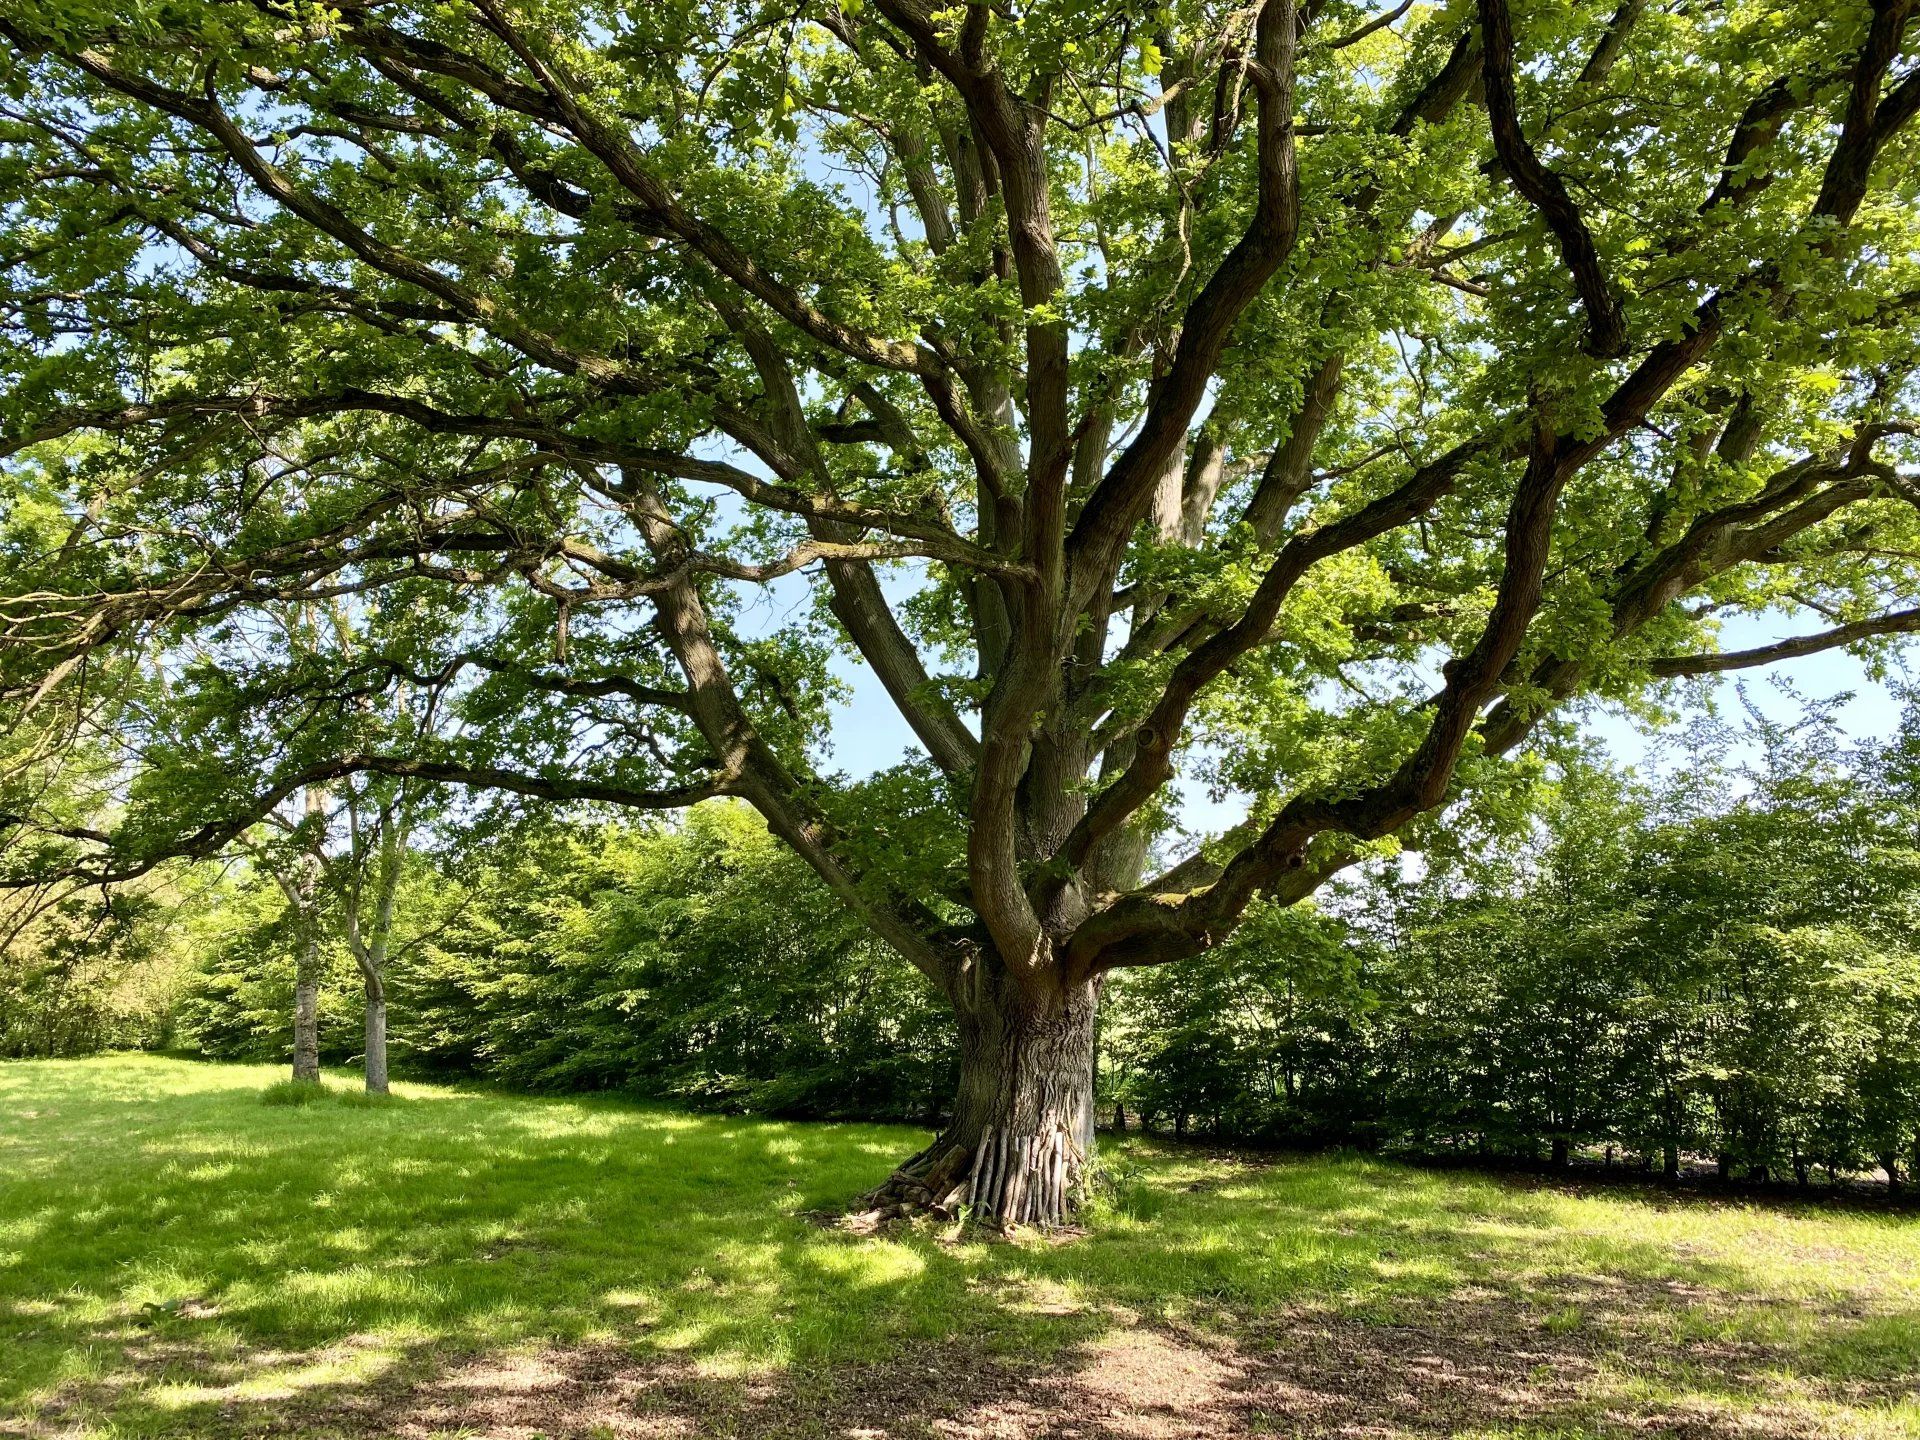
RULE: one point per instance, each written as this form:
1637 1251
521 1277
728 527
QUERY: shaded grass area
180 1257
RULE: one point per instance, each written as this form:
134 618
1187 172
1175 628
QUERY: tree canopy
1303 400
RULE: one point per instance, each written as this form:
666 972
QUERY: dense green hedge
1726 969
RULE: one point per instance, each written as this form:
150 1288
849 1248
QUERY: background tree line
1719 969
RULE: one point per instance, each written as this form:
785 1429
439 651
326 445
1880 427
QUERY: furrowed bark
1019 1149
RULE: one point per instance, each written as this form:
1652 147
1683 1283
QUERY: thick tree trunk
1019 1149
306 1013
376 1038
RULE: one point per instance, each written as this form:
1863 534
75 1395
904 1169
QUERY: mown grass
180 1257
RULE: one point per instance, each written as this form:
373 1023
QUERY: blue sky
868 733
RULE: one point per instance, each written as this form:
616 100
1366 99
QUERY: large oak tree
1301 400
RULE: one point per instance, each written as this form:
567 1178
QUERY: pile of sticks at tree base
1023 1179
1007 1180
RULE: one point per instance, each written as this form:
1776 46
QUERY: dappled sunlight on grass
172 1249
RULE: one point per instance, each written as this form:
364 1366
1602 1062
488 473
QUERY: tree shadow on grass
490 1265
1479 1367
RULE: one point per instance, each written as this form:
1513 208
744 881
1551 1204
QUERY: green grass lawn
180 1257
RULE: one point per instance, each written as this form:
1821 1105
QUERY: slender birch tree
292 849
